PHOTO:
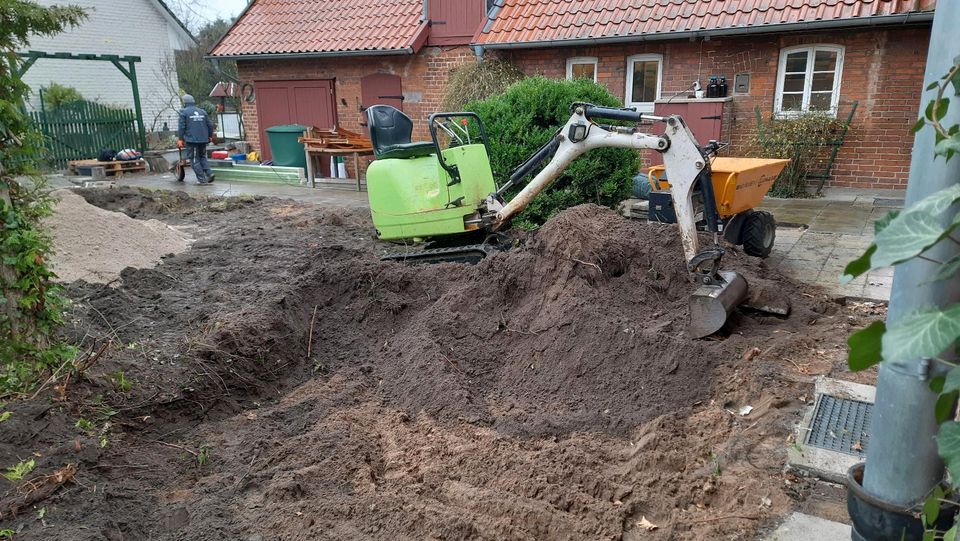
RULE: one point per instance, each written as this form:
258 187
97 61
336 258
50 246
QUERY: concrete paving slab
801 527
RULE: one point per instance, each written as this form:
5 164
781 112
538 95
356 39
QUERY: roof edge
321 54
182 27
914 17
420 36
236 21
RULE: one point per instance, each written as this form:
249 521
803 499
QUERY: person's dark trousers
197 153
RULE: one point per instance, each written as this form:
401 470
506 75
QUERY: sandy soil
286 384
94 245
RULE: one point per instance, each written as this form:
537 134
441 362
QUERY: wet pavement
339 195
816 238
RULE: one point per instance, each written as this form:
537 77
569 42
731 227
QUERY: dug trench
278 381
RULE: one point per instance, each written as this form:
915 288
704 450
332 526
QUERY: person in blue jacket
194 131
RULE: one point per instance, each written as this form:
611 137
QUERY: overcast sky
209 10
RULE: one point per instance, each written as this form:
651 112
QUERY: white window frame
811 51
642 106
582 60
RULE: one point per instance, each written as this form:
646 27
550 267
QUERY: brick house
783 56
321 62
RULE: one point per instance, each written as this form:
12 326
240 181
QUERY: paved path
816 238
333 196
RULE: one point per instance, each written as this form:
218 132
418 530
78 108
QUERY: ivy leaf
933 85
948 146
858 266
952 380
955 80
926 333
882 223
931 507
936 384
921 122
947 270
937 202
948 443
908 235
865 346
951 534
943 410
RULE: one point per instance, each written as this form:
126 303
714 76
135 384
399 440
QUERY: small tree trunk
8 274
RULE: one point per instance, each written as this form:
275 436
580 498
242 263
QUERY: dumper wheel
759 233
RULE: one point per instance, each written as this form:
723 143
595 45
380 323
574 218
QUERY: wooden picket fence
80 130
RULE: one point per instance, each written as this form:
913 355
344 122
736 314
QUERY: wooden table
312 153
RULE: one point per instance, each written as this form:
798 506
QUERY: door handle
401 98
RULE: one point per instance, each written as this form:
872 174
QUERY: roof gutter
925 17
321 54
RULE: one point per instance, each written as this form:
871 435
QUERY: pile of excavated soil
548 392
93 244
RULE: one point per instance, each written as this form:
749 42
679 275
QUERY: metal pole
902 461
136 105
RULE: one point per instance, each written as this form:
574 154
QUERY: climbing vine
931 332
30 303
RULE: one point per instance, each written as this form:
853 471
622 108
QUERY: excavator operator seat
390 132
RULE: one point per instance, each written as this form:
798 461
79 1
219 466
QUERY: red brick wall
423 78
882 69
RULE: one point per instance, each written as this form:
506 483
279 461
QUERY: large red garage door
309 102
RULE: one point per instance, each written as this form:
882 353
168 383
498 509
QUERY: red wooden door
454 22
702 117
381 89
309 102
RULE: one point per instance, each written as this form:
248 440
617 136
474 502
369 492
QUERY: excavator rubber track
470 254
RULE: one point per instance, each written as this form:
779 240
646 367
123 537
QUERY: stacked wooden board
338 138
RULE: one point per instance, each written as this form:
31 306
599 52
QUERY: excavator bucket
710 305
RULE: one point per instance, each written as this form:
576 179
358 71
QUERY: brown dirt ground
286 384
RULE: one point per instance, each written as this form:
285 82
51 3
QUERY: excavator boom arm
681 156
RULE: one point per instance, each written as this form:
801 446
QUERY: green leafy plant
948 138
475 81
30 303
5 415
203 455
7 533
929 332
56 95
17 472
85 425
524 117
120 382
805 140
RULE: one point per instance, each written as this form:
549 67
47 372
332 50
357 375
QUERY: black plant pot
876 520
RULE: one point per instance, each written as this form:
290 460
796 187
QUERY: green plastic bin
285 150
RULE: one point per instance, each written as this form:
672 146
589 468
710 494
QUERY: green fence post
136 105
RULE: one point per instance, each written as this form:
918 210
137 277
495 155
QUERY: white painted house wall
123 27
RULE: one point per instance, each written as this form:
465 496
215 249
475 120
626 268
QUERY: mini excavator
447 197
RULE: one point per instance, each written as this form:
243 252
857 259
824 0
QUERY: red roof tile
531 21
324 26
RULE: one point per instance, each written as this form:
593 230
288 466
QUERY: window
643 81
808 79
582 67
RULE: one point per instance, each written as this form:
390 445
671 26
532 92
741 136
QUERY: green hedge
525 116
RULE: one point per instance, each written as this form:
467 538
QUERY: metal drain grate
840 424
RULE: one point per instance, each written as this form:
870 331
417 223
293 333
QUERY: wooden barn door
309 102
